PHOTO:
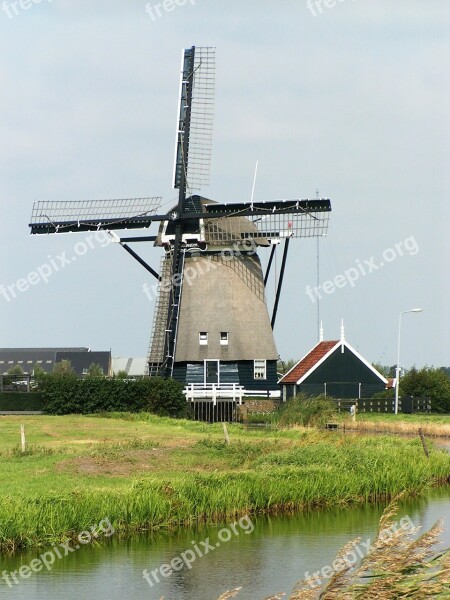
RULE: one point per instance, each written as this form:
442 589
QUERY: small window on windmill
224 338
203 338
259 369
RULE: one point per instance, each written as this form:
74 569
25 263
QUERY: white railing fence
214 392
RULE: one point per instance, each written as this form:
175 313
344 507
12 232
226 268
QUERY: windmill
211 320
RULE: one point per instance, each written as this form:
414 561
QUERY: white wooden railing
214 392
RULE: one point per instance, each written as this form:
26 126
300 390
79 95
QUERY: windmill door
211 371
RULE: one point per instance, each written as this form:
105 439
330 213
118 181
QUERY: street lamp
397 370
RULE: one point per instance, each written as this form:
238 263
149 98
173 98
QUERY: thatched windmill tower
224 334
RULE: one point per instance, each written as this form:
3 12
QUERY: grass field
145 472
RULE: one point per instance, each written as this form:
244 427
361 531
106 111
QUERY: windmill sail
195 119
91 215
269 220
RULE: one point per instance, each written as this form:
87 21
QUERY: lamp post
397 369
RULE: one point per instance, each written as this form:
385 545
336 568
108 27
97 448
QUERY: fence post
22 438
225 432
424 444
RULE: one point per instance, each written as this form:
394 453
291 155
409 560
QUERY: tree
38 371
283 367
38 375
122 374
384 370
95 370
428 383
16 370
64 369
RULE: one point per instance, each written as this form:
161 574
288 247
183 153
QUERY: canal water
266 555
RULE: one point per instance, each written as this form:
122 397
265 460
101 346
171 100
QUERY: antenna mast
254 183
318 279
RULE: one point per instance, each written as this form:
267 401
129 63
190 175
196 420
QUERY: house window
224 338
203 338
259 369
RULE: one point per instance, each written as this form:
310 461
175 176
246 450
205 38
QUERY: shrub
307 411
10 401
68 395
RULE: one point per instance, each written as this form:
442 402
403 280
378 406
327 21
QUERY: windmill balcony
214 392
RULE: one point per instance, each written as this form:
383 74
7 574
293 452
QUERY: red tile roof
307 363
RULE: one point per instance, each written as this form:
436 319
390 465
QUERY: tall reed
401 565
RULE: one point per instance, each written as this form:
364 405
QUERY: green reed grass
318 474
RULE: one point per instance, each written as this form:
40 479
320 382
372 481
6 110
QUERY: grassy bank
144 472
432 425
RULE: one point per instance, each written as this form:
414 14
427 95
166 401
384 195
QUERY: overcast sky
351 99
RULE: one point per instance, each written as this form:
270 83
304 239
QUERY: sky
347 97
